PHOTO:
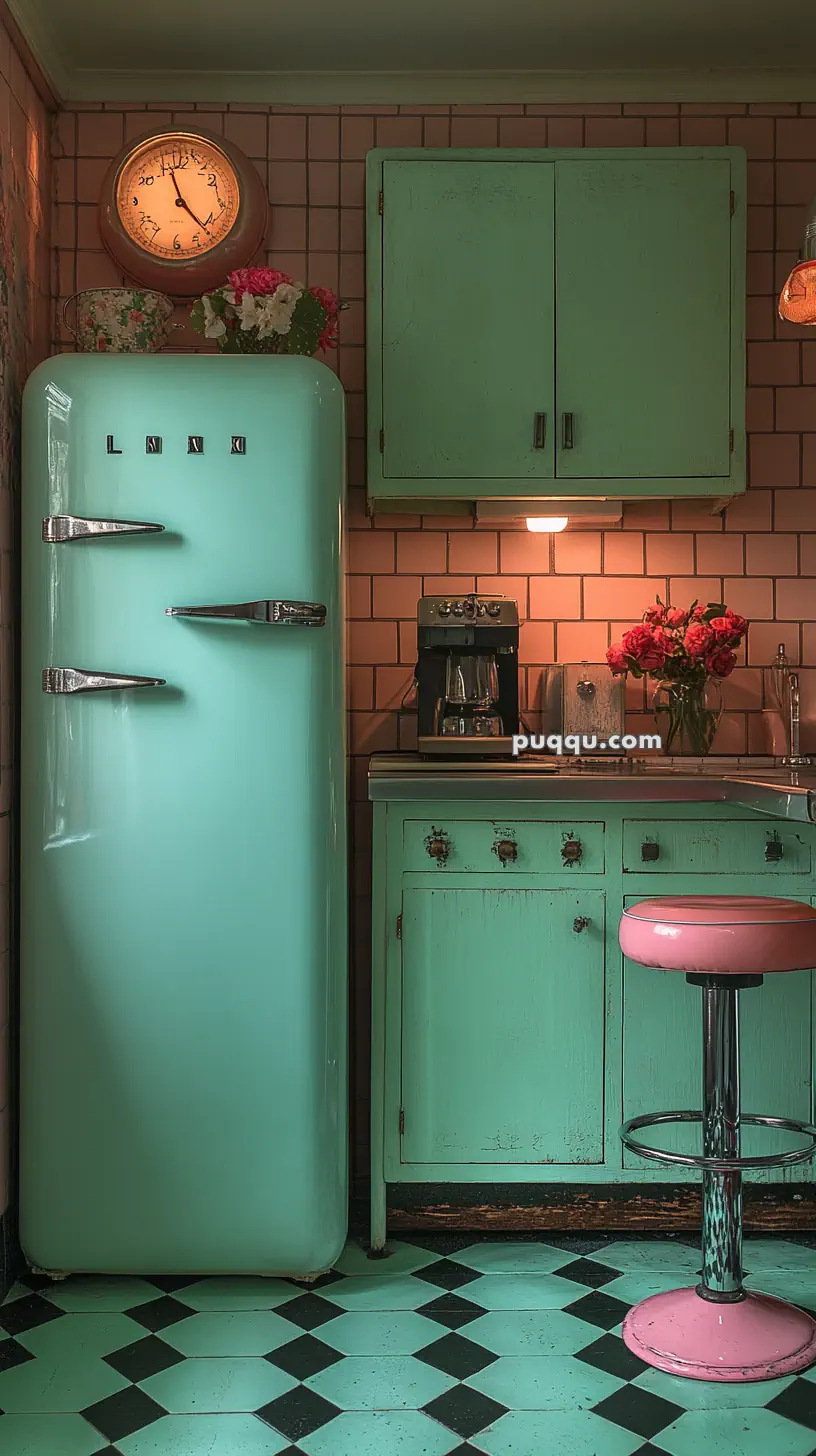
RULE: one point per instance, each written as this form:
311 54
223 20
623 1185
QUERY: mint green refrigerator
183 855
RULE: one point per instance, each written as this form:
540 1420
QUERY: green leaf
197 316
308 320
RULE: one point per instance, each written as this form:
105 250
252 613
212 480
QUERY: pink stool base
758 1338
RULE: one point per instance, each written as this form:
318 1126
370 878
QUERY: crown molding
31 34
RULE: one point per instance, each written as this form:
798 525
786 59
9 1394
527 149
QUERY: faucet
788 692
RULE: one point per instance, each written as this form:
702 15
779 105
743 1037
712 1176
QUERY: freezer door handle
275 614
76 680
79 528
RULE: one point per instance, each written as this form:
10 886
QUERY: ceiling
421 50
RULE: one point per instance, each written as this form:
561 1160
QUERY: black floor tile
143 1358
28 1313
610 1354
447 1274
171 1283
638 1410
599 1309
797 1402
589 1272
650 1450
451 1310
159 1314
311 1286
304 1357
444 1244
122 1414
457 1356
12 1354
308 1311
298 1413
465 1411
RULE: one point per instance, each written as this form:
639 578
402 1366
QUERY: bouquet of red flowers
264 311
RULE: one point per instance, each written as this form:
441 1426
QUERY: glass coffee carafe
471 696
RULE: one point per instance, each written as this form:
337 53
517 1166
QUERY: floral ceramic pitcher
120 320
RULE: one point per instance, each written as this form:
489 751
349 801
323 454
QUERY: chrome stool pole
722 1192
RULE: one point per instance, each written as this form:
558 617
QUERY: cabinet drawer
737 847
523 847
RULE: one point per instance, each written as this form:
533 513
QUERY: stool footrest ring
719 1165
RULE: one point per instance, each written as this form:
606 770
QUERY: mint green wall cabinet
502 1023
555 323
507 1044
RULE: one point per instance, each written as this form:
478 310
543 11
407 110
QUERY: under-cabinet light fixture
547 523
797 301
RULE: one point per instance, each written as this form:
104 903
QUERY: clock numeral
212 180
135 202
146 181
196 240
176 244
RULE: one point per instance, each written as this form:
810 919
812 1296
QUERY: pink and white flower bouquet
264 311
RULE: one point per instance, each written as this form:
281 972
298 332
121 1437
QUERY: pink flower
739 626
699 612
698 639
640 644
721 662
256 281
666 639
617 659
331 303
723 629
676 617
135 315
100 343
655 613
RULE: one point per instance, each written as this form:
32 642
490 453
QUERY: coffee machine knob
493 609
458 609
444 609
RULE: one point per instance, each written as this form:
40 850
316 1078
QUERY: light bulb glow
547 523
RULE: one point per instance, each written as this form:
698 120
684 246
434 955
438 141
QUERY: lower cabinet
502 1044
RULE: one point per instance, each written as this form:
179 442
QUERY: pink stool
723 943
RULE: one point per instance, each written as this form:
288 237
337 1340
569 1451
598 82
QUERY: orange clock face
177 196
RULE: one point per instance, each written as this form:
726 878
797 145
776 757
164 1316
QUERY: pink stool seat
720 935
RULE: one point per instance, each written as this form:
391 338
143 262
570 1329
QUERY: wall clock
180 209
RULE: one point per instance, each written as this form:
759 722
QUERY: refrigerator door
183 920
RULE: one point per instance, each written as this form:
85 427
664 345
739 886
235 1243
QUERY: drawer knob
438 845
649 850
506 850
774 850
571 851
580 923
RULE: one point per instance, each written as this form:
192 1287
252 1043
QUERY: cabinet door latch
399 927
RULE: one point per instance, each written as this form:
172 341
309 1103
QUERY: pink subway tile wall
25 311
579 595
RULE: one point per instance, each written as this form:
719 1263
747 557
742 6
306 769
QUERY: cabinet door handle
649 850
580 923
77 680
774 850
77 528
438 845
571 851
567 431
506 850
539 430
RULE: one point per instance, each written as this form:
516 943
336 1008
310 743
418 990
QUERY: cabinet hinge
399 927
731 441
402 1121
732 203
380 203
382 441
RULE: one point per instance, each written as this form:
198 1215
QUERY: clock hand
181 203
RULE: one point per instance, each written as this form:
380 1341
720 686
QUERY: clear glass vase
687 716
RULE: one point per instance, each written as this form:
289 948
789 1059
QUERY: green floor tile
523 1291
739 1432
712 1394
634 1287
81 1336
556 1433
47 1436
658 1255
531 1332
380 1292
204 1436
83 1292
240 1293
380 1433
231 1332
400 1259
46 1386
513 1258
776 1254
212 1386
380 1333
526 1382
387 1382
797 1285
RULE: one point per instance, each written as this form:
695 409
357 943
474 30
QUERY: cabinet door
643 318
467 324
502 1024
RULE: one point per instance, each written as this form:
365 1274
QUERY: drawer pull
774 850
539 430
580 923
438 845
571 851
649 850
506 850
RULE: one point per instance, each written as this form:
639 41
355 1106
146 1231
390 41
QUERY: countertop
761 784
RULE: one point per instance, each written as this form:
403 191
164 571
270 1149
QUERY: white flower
214 325
287 294
248 311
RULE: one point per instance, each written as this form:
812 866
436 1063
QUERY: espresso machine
467 675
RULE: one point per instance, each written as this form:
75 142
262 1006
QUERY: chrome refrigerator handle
280 614
76 680
78 528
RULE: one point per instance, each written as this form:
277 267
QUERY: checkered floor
450 1345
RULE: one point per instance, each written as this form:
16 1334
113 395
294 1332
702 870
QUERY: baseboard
12 1263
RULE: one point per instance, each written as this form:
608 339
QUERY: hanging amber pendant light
797 301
